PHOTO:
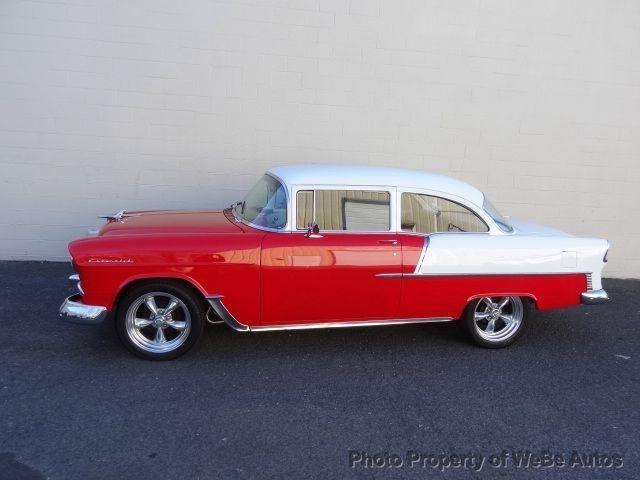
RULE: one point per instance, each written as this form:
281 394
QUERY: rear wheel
495 322
160 320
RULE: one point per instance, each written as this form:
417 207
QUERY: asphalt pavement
417 401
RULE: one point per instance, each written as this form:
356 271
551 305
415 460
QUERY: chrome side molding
216 304
221 310
432 275
594 297
366 323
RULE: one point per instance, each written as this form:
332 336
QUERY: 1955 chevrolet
329 246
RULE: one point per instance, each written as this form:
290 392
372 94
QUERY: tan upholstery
304 214
331 211
428 214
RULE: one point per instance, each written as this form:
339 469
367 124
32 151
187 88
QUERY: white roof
371 176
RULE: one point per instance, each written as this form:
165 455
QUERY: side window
356 210
428 214
304 205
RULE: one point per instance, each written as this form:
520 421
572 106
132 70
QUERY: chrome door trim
509 274
366 323
425 246
221 310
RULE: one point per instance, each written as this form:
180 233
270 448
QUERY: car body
315 246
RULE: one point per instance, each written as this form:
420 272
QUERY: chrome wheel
498 318
158 322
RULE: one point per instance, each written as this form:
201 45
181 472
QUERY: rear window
497 216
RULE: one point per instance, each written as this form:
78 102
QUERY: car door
332 276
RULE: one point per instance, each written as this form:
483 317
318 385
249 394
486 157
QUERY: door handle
388 242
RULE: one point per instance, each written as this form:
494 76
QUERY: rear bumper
73 310
594 297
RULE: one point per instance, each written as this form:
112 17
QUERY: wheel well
532 300
528 297
176 281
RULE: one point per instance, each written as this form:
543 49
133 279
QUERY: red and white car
329 246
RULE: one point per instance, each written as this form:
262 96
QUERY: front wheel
160 320
495 322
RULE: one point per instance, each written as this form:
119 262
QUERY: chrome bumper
594 297
73 310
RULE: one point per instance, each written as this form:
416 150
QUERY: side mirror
313 231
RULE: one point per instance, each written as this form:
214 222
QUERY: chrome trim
391 191
466 205
221 310
260 227
425 245
116 217
73 310
352 232
75 278
594 297
232 209
366 323
426 275
465 202
213 320
109 260
589 282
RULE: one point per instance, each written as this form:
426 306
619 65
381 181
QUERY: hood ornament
116 217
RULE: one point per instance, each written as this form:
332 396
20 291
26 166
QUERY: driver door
333 276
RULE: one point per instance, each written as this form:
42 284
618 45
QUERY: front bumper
73 310
594 297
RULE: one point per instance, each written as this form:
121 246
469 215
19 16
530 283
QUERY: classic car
329 246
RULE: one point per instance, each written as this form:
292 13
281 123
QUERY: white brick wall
182 104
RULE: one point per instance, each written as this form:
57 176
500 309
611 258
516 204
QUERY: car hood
528 228
170 222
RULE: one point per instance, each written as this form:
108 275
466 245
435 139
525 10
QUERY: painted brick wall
107 105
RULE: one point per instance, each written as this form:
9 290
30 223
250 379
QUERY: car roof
355 175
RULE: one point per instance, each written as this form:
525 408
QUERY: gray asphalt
75 405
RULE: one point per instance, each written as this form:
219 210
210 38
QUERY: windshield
497 216
265 205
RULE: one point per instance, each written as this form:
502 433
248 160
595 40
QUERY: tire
496 322
149 331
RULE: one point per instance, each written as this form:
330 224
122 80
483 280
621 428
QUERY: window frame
492 228
395 193
287 225
391 191
509 230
